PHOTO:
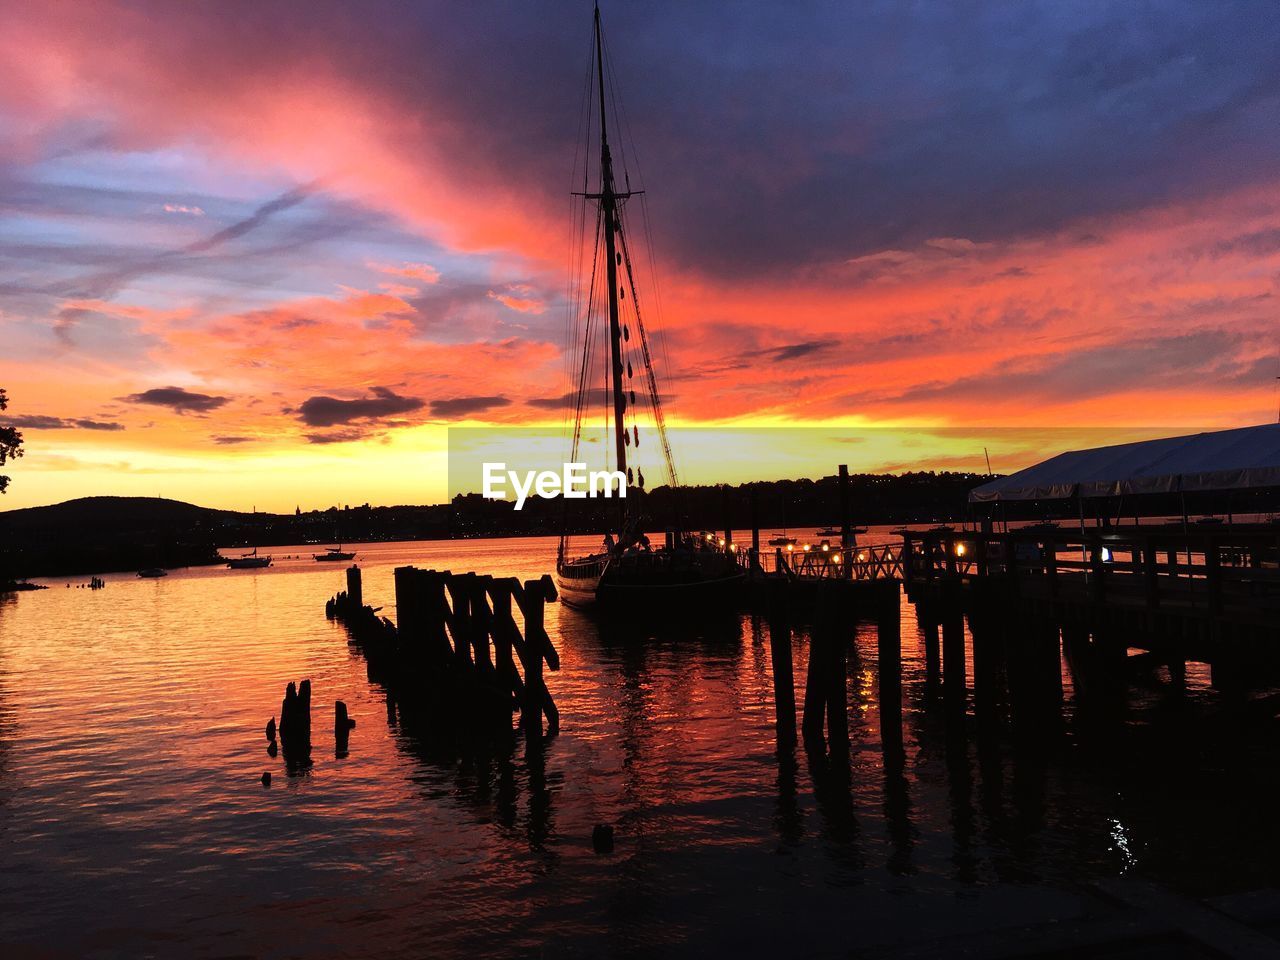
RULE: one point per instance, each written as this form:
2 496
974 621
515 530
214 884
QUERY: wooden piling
355 590
755 525
452 661
837 678
784 690
814 689
932 651
953 666
889 672
295 723
846 535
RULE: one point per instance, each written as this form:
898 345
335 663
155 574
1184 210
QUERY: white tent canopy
1240 459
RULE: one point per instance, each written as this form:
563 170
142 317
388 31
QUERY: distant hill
98 515
106 534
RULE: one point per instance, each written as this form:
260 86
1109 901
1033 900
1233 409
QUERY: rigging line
577 221
587 353
614 104
576 274
624 124
573 300
655 283
583 382
655 398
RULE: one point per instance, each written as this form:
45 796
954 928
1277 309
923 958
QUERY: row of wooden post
825 722
1023 656
457 649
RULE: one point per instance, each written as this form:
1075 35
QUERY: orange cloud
413 271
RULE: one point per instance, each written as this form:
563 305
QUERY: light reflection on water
132 820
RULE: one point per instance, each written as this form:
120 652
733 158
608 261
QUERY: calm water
133 822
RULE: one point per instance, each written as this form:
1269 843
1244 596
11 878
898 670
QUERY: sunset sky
263 254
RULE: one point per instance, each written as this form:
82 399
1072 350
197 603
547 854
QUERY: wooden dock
468 651
1175 592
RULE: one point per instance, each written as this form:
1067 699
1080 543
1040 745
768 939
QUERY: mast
609 211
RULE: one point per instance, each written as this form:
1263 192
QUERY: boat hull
249 563
654 589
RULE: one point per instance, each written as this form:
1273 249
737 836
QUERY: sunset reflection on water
134 822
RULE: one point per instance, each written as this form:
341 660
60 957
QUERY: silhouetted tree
10 442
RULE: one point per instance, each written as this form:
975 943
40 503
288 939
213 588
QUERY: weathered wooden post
986 627
1034 671
1050 548
434 604
846 535
504 664
755 524
905 561
1097 569
1049 671
953 666
814 692
342 725
410 623
1213 574
784 685
459 590
481 622
837 680
928 620
355 591
1151 574
295 722
889 672
728 517
531 708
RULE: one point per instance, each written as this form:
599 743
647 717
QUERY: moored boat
687 572
332 554
249 561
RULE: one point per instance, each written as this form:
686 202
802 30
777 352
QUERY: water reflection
131 748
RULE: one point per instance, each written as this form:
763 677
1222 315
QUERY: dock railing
1210 567
826 561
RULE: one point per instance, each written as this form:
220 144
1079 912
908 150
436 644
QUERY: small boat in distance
249 561
152 573
835 531
783 541
333 553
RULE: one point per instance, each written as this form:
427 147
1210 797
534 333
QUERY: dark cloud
846 129
178 399
41 422
596 397
98 425
840 129
560 403
794 351
228 441
1206 357
339 436
325 411
465 406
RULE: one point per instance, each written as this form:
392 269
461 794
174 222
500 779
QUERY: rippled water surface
133 822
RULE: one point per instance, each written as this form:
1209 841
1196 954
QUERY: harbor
428 530
670 737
